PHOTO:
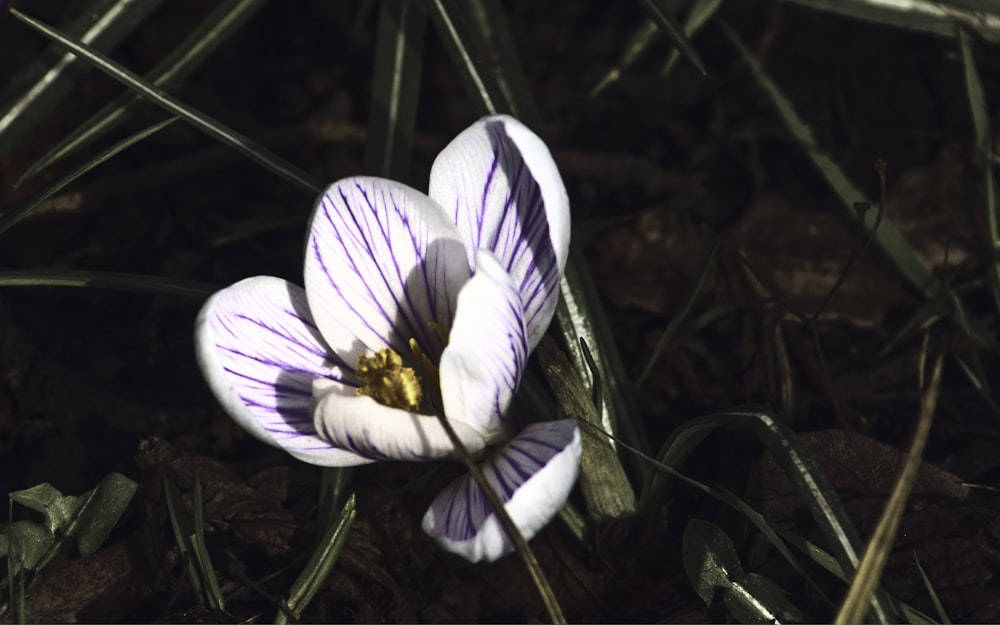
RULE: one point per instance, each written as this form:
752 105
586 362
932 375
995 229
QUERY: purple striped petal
487 349
533 474
260 351
499 183
378 432
382 260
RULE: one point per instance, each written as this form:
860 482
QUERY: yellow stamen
388 382
429 372
440 331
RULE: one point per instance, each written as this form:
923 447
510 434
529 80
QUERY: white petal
372 430
533 474
499 183
382 260
260 352
487 349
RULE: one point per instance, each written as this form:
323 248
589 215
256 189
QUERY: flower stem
548 597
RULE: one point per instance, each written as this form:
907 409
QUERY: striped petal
260 351
533 474
499 184
487 349
382 260
378 432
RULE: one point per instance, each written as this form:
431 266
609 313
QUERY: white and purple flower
414 306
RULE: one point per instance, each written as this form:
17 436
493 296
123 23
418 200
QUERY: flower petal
533 474
487 349
499 183
260 351
382 261
372 430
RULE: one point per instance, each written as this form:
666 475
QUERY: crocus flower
414 306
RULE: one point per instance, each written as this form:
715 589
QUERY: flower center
388 382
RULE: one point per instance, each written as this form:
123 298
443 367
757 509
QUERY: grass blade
665 20
888 238
399 47
36 91
701 11
459 44
131 282
984 145
214 30
320 564
929 16
19 212
869 572
202 122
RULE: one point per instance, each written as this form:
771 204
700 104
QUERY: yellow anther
430 373
388 382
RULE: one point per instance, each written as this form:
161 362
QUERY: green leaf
24 543
937 17
637 44
57 509
198 46
202 122
606 489
19 212
131 282
665 20
320 563
701 11
392 119
39 88
887 237
711 564
753 598
686 310
710 559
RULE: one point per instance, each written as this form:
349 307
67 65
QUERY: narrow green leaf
183 529
202 558
131 282
606 489
459 44
636 45
818 494
19 212
887 237
665 20
984 144
320 563
42 85
685 312
937 17
399 46
699 13
202 122
221 24
931 592
581 318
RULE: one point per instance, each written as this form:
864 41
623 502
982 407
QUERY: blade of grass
19 212
887 237
984 144
685 312
201 556
812 485
207 36
202 122
637 44
929 16
860 595
320 564
131 282
701 11
392 118
606 489
459 45
935 599
42 85
657 10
